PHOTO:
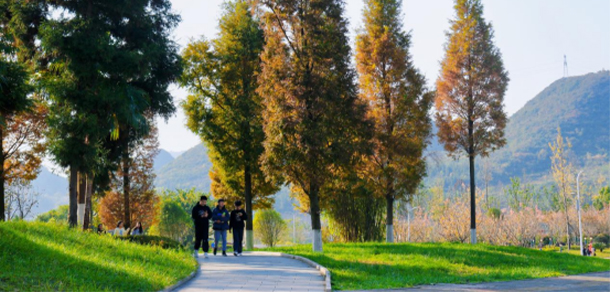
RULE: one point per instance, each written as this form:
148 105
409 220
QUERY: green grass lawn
382 266
49 257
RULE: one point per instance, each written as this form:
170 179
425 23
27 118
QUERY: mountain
579 105
52 190
189 170
175 154
162 159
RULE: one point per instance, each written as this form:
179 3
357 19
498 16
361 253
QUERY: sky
532 35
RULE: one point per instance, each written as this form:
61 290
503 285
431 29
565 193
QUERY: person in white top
120 229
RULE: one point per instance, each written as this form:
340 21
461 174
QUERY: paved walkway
253 273
592 282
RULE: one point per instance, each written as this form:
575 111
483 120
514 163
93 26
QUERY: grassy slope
378 265
45 257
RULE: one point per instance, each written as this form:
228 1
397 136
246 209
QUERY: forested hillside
579 105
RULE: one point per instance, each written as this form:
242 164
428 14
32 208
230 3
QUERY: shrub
494 213
602 238
269 225
160 241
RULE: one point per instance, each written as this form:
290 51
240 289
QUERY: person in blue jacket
221 218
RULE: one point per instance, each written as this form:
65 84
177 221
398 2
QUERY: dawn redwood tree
470 91
313 120
109 63
224 108
398 104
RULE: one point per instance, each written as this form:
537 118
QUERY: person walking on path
236 224
221 217
201 215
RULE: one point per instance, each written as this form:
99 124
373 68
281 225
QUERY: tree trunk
316 224
249 211
73 193
126 185
473 210
389 224
82 193
88 218
567 224
2 207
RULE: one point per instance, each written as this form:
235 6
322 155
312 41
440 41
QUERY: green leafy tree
225 110
269 226
601 200
59 215
174 222
353 208
470 91
398 103
170 218
519 196
313 120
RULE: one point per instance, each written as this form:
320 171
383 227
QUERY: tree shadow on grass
347 275
112 249
486 256
370 266
27 265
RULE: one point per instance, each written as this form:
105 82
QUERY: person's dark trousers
201 238
238 239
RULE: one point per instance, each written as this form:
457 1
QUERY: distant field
383 266
49 257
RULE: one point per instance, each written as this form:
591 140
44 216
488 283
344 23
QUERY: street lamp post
578 208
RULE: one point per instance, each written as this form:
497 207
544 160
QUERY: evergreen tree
313 120
109 63
224 109
398 104
470 91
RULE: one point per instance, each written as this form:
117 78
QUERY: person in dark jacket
236 224
201 215
221 217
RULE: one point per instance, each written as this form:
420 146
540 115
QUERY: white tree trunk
249 239
317 240
389 233
80 214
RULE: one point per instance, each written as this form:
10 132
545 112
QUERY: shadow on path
253 273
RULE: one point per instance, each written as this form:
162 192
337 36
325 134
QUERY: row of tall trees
276 100
101 69
274 96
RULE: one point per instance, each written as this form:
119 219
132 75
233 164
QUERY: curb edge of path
323 270
181 282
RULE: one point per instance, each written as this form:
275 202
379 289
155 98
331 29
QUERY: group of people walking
222 221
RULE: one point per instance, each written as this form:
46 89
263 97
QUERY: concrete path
253 273
592 282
